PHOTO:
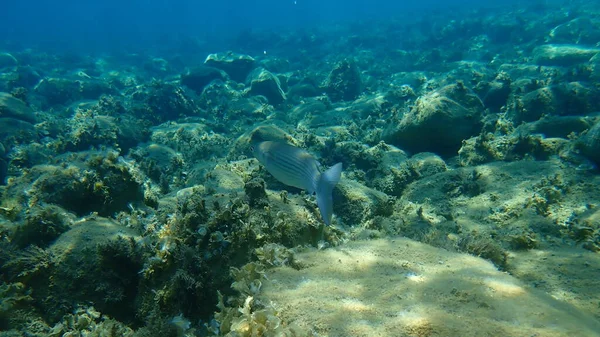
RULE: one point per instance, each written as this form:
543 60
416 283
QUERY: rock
498 91
26 77
355 203
12 107
58 91
87 131
557 126
223 181
344 82
366 106
268 133
159 162
237 66
3 171
199 77
7 60
562 54
97 260
438 122
521 74
309 110
589 144
262 82
419 166
162 102
256 193
16 128
99 184
130 132
581 29
93 88
303 89
572 98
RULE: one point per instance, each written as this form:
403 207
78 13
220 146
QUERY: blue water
136 24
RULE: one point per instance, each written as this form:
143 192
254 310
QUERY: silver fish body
296 167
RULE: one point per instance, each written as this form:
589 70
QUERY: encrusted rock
263 82
7 60
562 54
237 66
572 98
344 82
199 77
355 203
13 107
255 190
438 122
589 144
581 30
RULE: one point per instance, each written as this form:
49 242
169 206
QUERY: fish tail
327 182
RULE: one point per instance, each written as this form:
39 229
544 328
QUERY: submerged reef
131 203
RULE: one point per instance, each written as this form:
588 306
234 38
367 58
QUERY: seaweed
484 246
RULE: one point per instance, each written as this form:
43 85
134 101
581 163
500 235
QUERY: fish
296 167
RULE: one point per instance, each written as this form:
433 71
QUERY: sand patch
399 287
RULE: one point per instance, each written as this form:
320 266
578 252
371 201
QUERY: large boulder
562 54
197 78
3 165
438 122
7 60
589 144
263 82
571 98
62 91
344 82
237 66
582 29
12 107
